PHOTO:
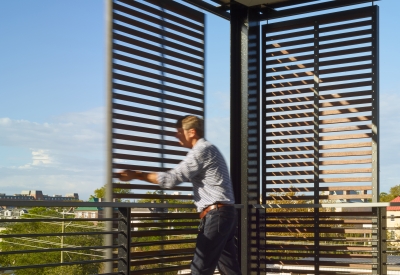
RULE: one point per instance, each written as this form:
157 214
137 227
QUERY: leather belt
211 207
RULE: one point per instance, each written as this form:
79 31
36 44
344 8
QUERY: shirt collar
199 142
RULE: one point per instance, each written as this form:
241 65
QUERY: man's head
189 130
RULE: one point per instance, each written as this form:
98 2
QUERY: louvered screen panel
321 139
158 76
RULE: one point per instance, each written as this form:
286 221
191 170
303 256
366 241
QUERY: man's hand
129 175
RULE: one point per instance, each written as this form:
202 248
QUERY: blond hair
191 122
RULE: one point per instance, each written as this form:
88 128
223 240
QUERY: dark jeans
216 244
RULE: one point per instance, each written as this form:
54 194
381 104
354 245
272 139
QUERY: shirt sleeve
183 172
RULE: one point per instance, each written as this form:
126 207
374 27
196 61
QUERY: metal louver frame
157 76
320 134
158 73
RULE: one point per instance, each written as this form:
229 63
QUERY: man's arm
129 175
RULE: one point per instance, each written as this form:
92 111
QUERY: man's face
185 137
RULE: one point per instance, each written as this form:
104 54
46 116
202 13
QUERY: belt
211 207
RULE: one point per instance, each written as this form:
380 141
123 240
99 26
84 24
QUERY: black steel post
239 122
263 144
254 143
375 104
380 234
382 243
124 239
109 129
379 240
316 147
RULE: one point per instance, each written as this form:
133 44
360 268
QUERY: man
205 167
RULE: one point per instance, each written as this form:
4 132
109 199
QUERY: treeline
393 193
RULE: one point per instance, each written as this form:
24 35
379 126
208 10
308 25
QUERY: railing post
382 244
379 244
124 239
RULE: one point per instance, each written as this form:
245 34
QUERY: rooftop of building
394 208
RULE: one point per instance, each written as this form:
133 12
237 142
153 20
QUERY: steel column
124 239
263 142
109 128
239 122
375 104
379 236
382 244
254 143
316 146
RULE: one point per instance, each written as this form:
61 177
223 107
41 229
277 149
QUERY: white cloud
79 131
67 155
41 157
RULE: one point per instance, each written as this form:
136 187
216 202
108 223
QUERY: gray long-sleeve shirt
205 167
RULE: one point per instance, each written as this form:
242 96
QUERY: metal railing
149 238
348 238
49 240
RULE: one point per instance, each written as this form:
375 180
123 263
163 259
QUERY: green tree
48 242
393 193
101 192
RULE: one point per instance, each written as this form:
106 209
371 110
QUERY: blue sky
52 87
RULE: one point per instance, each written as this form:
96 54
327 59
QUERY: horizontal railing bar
56 219
159 270
164 232
164 254
97 204
60 234
169 224
164 216
325 215
311 239
58 264
167 242
327 205
44 250
91 204
157 260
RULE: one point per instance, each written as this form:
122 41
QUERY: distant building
15 197
12 213
393 220
89 212
72 195
39 196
